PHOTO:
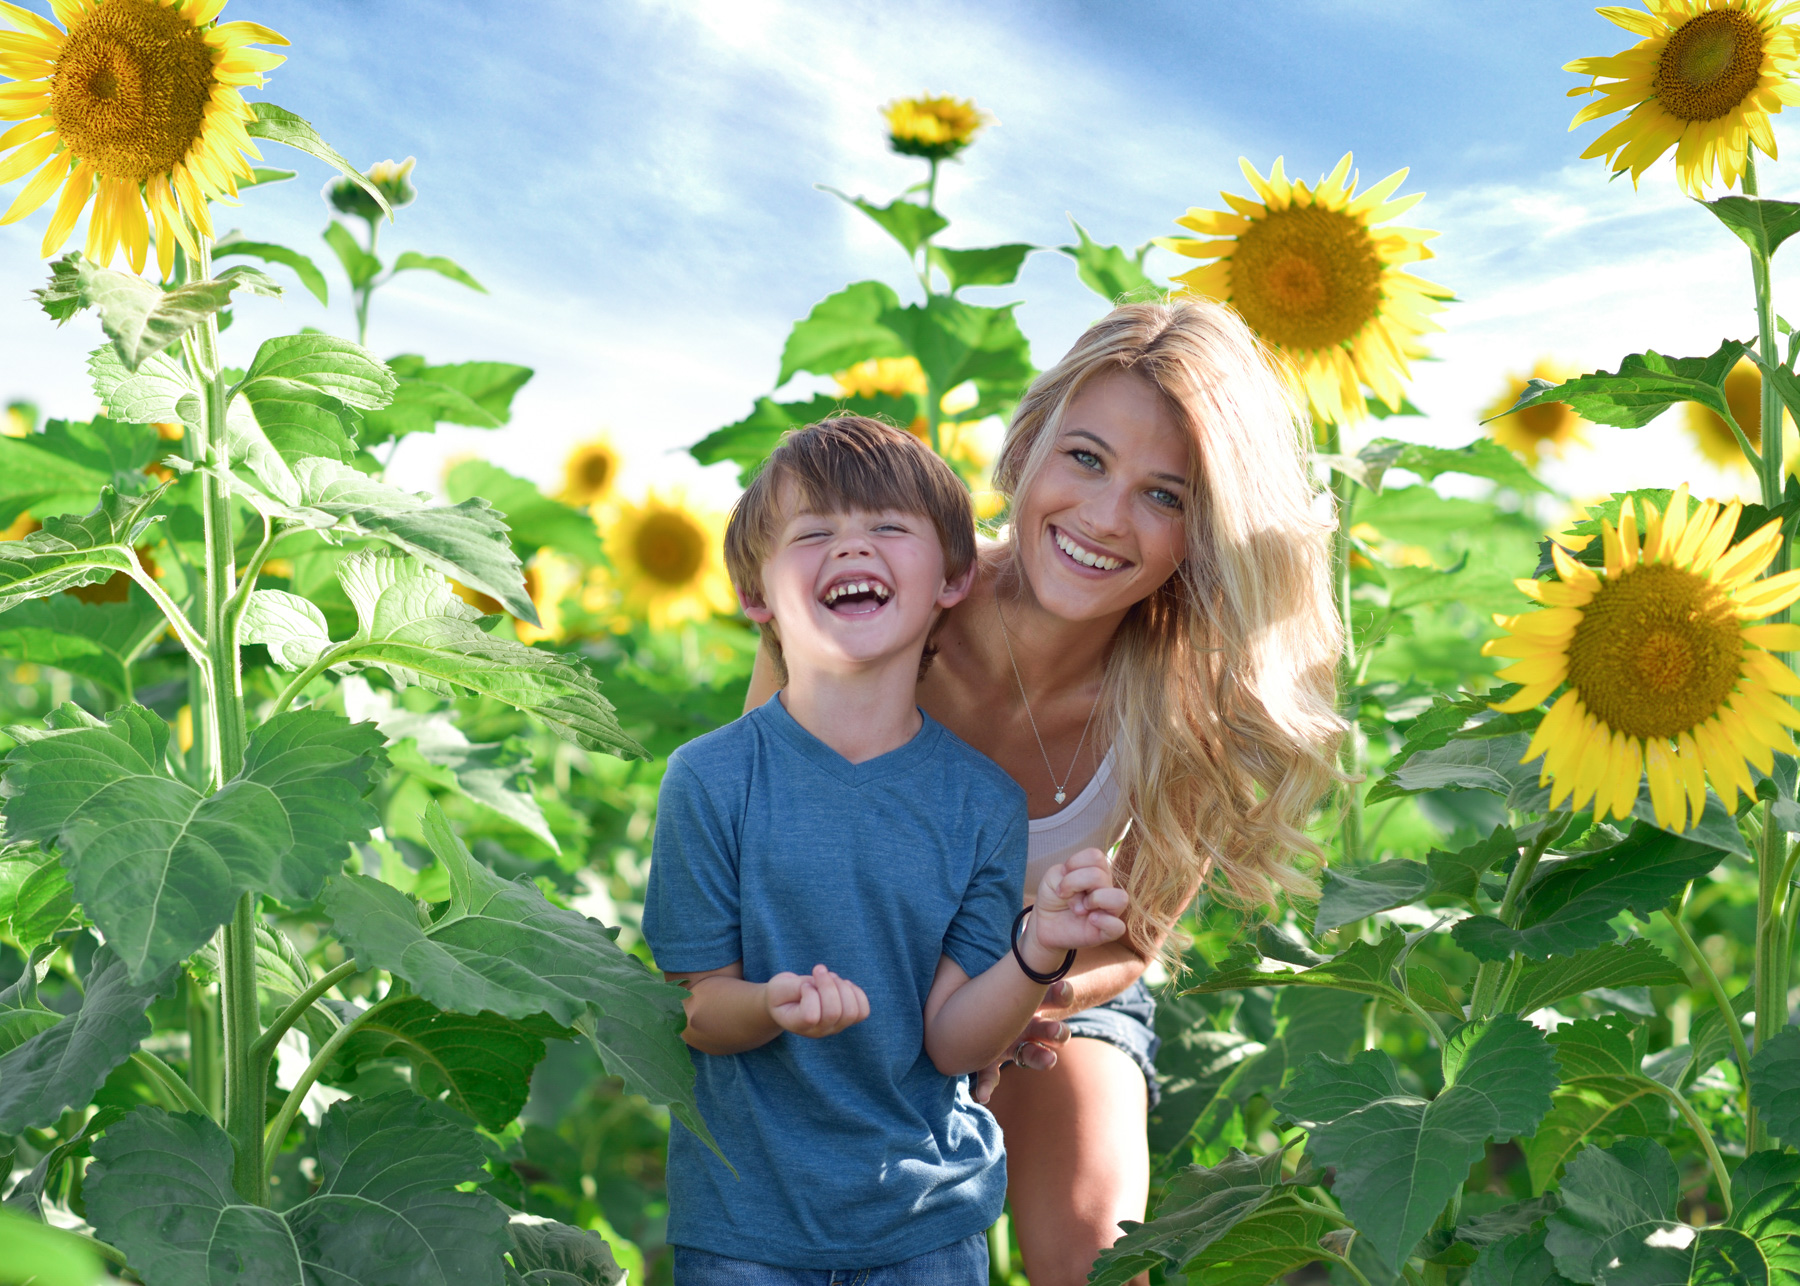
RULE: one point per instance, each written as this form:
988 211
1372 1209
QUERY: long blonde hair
1219 688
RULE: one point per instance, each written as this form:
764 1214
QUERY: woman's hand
1036 1047
1077 905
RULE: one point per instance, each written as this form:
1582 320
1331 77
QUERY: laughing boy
835 879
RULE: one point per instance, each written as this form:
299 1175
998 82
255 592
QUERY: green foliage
140 319
305 269
387 1207
1761 225
1645 385
1109 272
412 259
1201 1206
279 125
1775 1083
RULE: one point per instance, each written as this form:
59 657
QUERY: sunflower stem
1354 753
1487 978
223 701
1733 1027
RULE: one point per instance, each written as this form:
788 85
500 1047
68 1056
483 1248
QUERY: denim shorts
961 1263
1127 1022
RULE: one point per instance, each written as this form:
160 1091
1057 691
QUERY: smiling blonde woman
1150 653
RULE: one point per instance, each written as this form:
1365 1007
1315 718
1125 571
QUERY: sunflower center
1657 652
669 548
1547 421
1306 277
1709 65
130 89
593 473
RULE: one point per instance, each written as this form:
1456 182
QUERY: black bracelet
1044 979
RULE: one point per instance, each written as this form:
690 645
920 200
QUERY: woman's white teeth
857 587
1086 557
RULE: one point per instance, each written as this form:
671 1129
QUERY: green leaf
44 1256
279 125
44 907
1618 1217
1761 225
441 266
489 385
1398 1157
1363 967
359 265
386 1210
1193 1066
1354 895
255 280
1646 385
348 372
989 266
905 221
748 442
1602 1092
291 627
234 243
138 316
1775 1083
467 541
1200 1206
1765 1200
431 745
69 552
546 1253
954 342
1263 1247
416 628
533 519
150 394
502 947
273 424
1482 458
1637 963
63 1065
419 406
1507 1221
1568 910
59 470
97 641
1520 1260
1109 272
483 1061
156 864
842 330
1486 763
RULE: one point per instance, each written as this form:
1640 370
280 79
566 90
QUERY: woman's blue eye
1086 459
1167 499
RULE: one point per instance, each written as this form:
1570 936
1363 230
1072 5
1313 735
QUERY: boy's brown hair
847 462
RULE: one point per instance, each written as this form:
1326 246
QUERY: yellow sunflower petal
36 192
1666 796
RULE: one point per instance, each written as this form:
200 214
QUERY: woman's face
1101 525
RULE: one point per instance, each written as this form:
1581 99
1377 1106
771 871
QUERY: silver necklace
1061 793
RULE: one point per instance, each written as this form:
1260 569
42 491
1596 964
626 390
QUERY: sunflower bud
934 128
390 178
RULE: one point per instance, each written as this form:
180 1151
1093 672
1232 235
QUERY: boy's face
850 590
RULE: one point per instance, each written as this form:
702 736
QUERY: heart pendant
1060 796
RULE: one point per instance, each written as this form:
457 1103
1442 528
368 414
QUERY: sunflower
668 559
1311 274
1667 675
1703 80
1552 426
136 105
893 376
1743 394
393 179
936 128
590 472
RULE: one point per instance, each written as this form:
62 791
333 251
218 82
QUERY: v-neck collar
899 760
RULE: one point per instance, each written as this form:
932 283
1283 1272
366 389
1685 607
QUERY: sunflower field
327 804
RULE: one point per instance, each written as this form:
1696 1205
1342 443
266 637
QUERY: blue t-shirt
852 1150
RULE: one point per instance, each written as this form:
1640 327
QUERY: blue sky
634 181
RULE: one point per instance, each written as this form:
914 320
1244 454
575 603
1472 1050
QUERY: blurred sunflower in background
135 105
1311 273
393 179
1666 673
935 127
892 376
1548 426
590 472
668 561
1704 80
1743 394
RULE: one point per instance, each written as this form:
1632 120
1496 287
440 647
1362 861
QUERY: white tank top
1081 823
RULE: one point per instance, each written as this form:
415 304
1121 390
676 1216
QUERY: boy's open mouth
856 595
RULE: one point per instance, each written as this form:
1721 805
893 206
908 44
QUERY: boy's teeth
1086 557
876 588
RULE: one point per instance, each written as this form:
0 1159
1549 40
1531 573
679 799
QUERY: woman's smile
1086 555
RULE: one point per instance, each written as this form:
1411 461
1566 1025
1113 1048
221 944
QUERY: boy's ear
955 591
755 609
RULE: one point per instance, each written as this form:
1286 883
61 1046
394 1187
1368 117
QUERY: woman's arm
763 682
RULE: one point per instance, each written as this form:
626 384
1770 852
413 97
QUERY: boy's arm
970 1022
726 1015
